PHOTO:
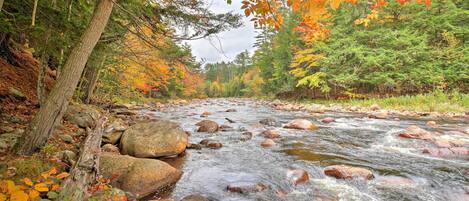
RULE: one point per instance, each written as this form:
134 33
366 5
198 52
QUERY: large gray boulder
82 115
141 177
153 139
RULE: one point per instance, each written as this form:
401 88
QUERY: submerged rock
432 124
447 152
246 136
270 122
328 120
348 172
246 187
270 134
154 139
138 176
205 114
297 176
394 182
416 132
230 110
225 128
207 126
268 143
301 124
213 144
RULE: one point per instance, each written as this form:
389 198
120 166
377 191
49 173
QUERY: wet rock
138 176
110 148
384 114
348 172
270 134
195 197
15 93
431 124
205 114
225 128
207 126
66 138
416 132
246 187
230 110
297 176
394 182
328 120
213 144
82 115
301 124
246 136
375 107
270 122
447 152
124 111
194 146
268 143
154 139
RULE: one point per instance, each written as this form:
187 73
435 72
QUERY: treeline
393 50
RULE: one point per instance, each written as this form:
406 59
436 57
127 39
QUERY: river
353 139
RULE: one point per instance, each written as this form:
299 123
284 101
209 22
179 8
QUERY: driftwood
85 170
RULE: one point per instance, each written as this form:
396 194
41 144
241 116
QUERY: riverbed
354 139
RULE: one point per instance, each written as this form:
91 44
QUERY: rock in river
246 136
268 143
348 172
270 122
139 176
246 187
207 126
297 176
301 124
416 132
153 139
328 120
270 134
213 144
195 197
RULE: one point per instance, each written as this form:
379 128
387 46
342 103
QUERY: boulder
84 116
297 176
246 136
348 172
270 134
195 197
141 177
268 143
328 120
207 126
416 132
384 114
66 138
110 148
301 124
246 187
112 137
270 122
213 144
154 139
9 140
15 93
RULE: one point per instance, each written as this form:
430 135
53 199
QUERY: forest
91 90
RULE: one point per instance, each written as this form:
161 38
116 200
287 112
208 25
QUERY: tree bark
41 90
85 170
90 78
56 104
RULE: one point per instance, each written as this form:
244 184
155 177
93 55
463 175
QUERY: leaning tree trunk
41 89
90 78
56 104
85 170
33 17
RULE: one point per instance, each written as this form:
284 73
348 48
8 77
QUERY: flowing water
352 140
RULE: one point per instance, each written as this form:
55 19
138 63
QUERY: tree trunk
90 79
84 172
41 90
56 104
1 5
33 17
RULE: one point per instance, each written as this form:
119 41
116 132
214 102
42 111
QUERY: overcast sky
227 44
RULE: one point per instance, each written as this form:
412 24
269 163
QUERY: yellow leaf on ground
10 186
27 181
62 175
3 197
49 172
19 196
33 194
41 187
55 187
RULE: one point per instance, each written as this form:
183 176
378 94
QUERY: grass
436 101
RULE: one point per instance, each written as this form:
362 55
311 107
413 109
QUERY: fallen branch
85 170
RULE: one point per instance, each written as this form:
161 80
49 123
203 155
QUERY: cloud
226 45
